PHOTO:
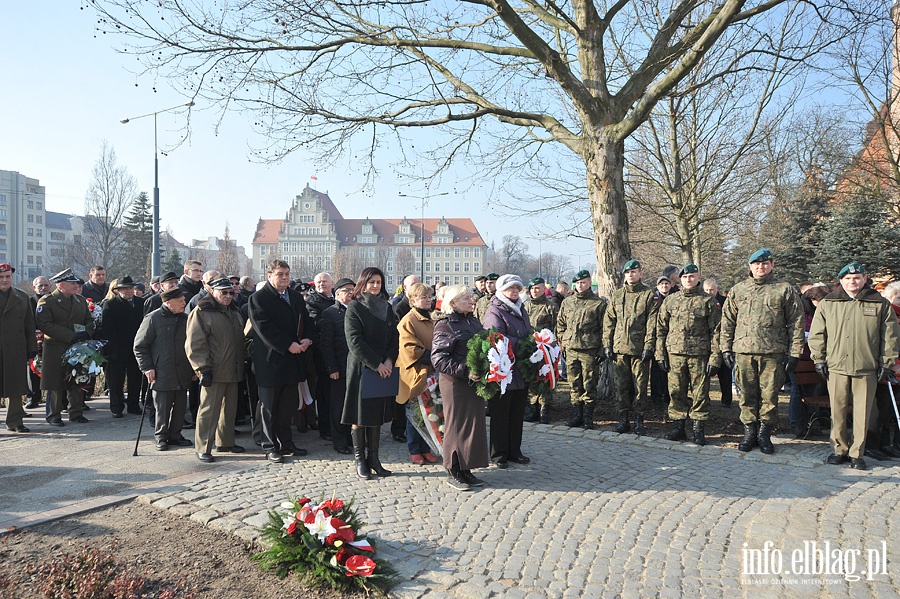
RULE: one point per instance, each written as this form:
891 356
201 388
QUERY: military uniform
629 332
17 345
761 322
484 302
542 313
580 331
687 346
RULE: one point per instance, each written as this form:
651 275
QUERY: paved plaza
595 514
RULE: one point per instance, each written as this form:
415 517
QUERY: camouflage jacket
579 325
481 306
630 324
762 316
688 325
542 313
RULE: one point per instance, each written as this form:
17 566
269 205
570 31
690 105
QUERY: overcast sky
66 90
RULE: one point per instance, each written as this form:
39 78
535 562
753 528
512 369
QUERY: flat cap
344 282
168 277
172 294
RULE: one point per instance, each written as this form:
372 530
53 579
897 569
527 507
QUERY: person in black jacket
373 340
159 349
282 331
332 346
122 315
96 288
317 301
190 280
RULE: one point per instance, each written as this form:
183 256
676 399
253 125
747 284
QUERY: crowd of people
207 350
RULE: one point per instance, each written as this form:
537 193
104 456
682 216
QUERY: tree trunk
604 157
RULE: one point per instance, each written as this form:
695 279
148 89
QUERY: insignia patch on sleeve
40 309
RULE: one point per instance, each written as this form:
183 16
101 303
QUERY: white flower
321 526
536 357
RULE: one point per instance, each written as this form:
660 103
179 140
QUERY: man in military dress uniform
629 332
64 318
854 341
580 331
490 288
762 337
542 315
687 348
17 345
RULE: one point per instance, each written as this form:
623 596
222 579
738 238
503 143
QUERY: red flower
359 565
333 505
303 501
309 517
342 555
344 532
292 527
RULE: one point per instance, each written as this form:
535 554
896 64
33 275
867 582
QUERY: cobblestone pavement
596 515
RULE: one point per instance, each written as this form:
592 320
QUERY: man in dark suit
42 287
282 331
19 345
122 316
333 349
97 287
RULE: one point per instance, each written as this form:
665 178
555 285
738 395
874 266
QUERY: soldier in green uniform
580 331
490 288
854 341
629 338
762 338
687 348
542 314
64 318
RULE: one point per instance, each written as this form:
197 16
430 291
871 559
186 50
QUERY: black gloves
608 352
206 378
790 364
646 355
822 369
81 336
664 364
728 358
712 371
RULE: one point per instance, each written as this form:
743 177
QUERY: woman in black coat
372 338
465 432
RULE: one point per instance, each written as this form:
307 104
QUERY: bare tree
109 196
512 257
405 262
229 262
532 75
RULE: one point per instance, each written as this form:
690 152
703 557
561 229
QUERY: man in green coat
629 332
761 339
542 314
490 288
17 345
687 348
580 331
64 318
854 341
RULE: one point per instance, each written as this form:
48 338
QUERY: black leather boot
358 435
765 442
749 440
588 417
639 424
677 433
699 433
531 413
373 440
623 426
577 415
545 415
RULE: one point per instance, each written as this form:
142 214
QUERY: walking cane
143 413
894 403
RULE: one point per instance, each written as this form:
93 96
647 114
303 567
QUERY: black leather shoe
79 420
19 429
206 457
521 460
182 442
346 450
275 457
294 451
890 451
31 405
835 459
232 449
162 445
502 464
86 407
135 411
857 463
399 438
56 422
117 415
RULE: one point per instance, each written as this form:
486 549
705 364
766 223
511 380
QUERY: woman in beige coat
414 361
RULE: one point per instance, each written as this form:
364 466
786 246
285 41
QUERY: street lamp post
155 264
422 224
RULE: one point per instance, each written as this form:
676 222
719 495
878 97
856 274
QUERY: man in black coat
190 280
97 288
167 282
332 346
318 300
42 287
122 316
281 336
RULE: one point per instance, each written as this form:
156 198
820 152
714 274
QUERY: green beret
688 268
762 255
631 265
854 268
492 277
581 274
537 281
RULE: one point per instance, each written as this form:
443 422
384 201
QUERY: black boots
373 440
588 422
545 415
577 415
749 440
699 433
623 426
765 443
677 433
359 452
532 413
639 424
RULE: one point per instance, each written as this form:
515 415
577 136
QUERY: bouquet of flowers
538 356
37 362
426 413
83 360
490 357
96 311
322 543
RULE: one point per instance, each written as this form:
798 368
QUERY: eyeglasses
226 291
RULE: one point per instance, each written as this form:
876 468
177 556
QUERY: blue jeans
414 440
